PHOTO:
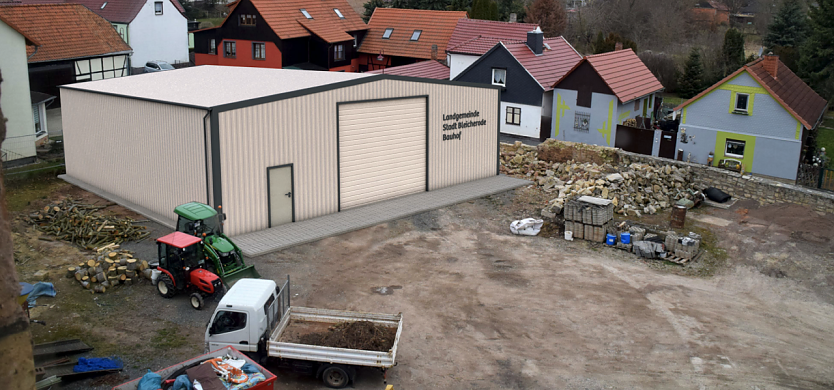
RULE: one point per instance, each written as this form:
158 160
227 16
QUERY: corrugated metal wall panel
382 150
148 153
302 131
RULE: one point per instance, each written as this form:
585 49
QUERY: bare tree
550 15
735 5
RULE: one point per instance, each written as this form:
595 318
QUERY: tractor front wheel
196 301
165 286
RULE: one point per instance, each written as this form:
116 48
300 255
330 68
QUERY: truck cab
245 316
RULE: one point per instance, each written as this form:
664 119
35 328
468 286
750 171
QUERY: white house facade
158 32
19 146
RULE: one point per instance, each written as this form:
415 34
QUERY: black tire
335 377
196 301
165 286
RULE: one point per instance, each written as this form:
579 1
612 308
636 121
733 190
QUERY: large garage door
382 150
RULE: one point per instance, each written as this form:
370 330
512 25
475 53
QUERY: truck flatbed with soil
256 317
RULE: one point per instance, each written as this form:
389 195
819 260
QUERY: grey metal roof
211 86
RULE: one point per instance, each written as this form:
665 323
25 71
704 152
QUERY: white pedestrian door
279 180
382 150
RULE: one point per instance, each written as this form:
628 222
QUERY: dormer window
339 13
306 14
416 35
387 33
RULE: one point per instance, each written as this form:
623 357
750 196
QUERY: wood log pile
104 271
80 224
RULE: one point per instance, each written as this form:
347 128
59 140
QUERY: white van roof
248 293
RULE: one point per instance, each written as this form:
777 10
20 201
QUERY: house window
259 51
499 77
416 35
513 116
248 20
339 13
355 40
387 33
742 100
637 105
229 49
212 46
157 8
306 14
734 148
582 121
338 52
37 117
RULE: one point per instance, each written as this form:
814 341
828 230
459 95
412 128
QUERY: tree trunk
15 339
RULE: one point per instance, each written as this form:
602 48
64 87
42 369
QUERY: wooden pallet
676 260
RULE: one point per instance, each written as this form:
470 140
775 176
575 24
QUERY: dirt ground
484 309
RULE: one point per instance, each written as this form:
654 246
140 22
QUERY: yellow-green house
760 115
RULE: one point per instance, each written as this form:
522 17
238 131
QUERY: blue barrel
625 238
610 239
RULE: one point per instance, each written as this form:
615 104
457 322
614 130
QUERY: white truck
254 317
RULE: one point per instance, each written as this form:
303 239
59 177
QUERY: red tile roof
479 45
325 30
28 37
285 17
436 27
118 11
624 72
467 29
551 65
788 89
65 31
425 69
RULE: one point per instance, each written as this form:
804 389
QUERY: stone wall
766 191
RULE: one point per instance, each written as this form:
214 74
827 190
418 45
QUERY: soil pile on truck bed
362 335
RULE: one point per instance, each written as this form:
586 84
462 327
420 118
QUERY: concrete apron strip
121 201
291 234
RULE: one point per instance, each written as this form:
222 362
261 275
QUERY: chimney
513 17
618 46
434 52
771 64
535 40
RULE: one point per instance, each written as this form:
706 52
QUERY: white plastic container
568 235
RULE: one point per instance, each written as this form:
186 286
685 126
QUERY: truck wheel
165 286
196 301
335 377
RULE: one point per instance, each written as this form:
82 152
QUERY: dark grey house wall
521 87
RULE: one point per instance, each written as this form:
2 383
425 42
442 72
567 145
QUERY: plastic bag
182 383
527 227
150 381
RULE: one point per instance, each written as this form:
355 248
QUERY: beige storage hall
275 146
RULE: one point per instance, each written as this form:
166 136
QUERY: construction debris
80 224
634 189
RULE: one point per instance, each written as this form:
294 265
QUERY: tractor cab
183 266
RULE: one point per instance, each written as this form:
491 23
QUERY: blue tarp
95 364
40 289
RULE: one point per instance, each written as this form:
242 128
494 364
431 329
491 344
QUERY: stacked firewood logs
109 268
82 225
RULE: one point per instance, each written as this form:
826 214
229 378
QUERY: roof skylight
306 14
387 33
336 10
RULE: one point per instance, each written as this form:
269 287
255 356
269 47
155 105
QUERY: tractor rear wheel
196 301
165 286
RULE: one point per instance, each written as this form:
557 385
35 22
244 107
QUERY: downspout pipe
35 52
206 154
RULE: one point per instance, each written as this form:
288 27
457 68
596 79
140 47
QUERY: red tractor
183 268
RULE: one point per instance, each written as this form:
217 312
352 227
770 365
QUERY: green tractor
202 220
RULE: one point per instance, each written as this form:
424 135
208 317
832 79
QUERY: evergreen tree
493 10
787 33
733 51
816 64
599 44
788 28
459 5
403 4
480 9
435 5
370 6
550 15
691 81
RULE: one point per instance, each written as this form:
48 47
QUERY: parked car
157 66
